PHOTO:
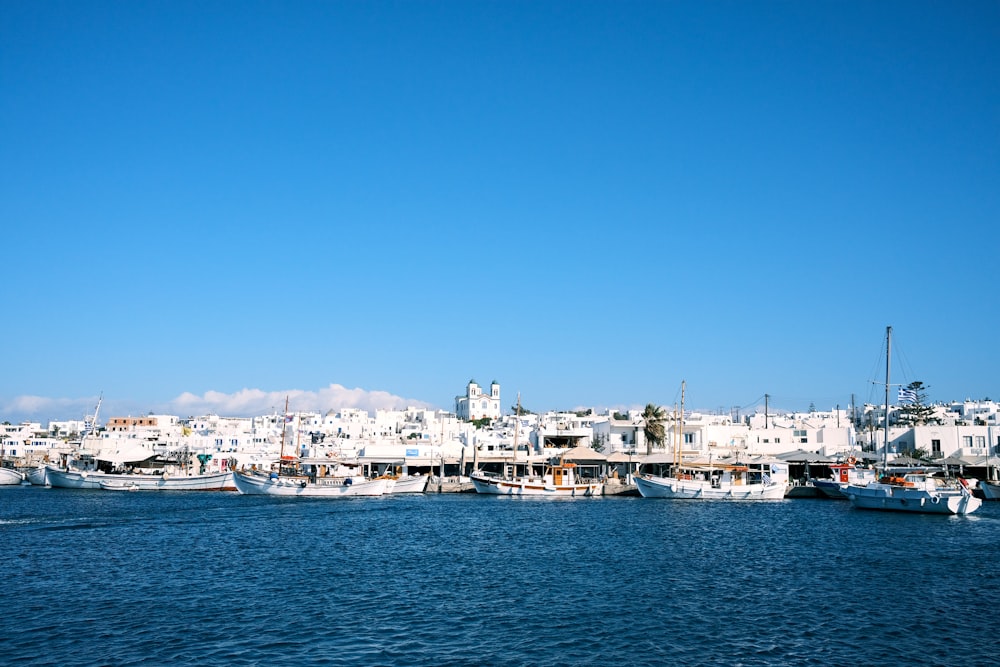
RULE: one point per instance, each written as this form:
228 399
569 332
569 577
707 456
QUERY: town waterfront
95 578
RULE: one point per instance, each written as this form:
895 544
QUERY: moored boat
557 480
90 479
10 477
842 474
757 480
273 484
38 476
909 489
401 484
914 491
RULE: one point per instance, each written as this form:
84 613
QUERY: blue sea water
100 578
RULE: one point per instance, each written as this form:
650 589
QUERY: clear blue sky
209 205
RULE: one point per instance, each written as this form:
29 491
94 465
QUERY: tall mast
284 416
888 357
679 422
517 425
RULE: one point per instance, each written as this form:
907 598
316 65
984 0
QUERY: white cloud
243 403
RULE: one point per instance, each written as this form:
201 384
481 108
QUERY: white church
477 405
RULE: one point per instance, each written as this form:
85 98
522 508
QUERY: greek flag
88 426
767 479
907 396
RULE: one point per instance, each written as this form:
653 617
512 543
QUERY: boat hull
259 485
38 476
499 486
10 477
829 488
651 486
410 484
72 479
900 499
990 490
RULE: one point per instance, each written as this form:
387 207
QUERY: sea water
175 578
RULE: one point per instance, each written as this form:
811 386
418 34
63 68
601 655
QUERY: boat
756 480
273 484
914 490
989 489
842 474
909 489
557 480
659 477
38 476
92 479
10 477
402 484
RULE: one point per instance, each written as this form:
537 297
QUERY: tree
917 412
654 426
597 444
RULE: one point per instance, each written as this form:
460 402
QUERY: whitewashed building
478 405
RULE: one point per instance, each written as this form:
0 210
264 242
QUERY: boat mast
679 422
517 424
284 417
888 357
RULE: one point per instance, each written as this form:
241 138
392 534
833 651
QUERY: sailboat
556 480
909 490
754 480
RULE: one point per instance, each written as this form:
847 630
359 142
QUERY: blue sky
209 206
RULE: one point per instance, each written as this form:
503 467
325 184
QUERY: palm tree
654 429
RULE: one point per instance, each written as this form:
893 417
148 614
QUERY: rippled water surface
101 578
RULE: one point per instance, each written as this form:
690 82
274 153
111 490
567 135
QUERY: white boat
758 480
38 476
402 484
661 477
990 489
914 491
909 490
10 477
557 480
274 484
88 479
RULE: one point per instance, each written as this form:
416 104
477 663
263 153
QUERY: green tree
917 412
597 444
654 426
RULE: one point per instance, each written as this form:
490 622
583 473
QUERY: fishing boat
402 484
273 484
754 480
92 479
662 477
909 489
557 480
842 474
10 477
38 476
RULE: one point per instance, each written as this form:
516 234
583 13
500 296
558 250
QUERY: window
980 441
967 441
936 447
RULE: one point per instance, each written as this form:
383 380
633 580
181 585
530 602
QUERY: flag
907 396
288 419
767 479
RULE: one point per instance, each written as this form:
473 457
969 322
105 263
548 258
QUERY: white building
477 405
